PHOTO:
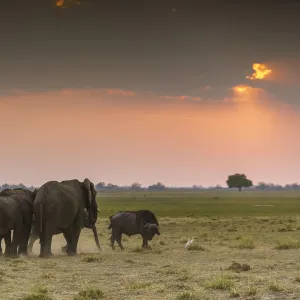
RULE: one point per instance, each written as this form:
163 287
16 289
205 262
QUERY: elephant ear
87 185
35 192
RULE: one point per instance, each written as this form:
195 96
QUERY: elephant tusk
98 210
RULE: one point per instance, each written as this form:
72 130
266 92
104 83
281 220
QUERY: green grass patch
197 204
90 294
287 243
220 283
245 243
187 296
40 294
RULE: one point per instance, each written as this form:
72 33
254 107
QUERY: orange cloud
181 98
246 93
120 92
60 3
261 71
241 88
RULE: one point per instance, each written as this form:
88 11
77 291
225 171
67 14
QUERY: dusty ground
168 271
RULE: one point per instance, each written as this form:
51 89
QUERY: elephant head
91 204
150 230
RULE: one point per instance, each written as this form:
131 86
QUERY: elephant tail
41 217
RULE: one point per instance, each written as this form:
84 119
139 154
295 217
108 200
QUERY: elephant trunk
87 184
96 237
91 217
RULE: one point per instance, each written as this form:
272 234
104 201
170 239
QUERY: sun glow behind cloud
246 93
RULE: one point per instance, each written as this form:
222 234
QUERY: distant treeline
16 186
102 186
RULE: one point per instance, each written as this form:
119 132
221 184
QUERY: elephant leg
72 236
75 233
1 253
75 237
65 248
7 239
119 240
23 248
46 240
32 239
17 236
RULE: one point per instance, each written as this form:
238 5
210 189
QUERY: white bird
189 242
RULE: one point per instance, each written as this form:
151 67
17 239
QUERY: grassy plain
259 229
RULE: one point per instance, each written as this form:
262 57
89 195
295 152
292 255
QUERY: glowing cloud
260 72
60 3
246 93
120 92
181 98
241 88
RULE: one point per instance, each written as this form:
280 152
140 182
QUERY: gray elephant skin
35 233
59 207
16 211
141 222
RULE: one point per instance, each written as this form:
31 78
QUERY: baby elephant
141 222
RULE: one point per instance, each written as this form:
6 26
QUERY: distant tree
100 185
293 186
261 185
159 186
136 186
197 187
111 186
5 186
238 181
278 187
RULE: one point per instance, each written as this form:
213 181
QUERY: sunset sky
183 92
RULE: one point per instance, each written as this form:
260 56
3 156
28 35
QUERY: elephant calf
141 222
35 233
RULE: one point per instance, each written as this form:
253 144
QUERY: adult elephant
59 206
16 212
35 233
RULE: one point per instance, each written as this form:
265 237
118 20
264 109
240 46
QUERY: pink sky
125 136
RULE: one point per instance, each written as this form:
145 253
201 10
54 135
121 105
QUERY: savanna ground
260 229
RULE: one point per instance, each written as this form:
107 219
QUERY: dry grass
167 271
246 243
220 283
90 294
287 243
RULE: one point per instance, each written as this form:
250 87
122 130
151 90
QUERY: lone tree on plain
238 181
